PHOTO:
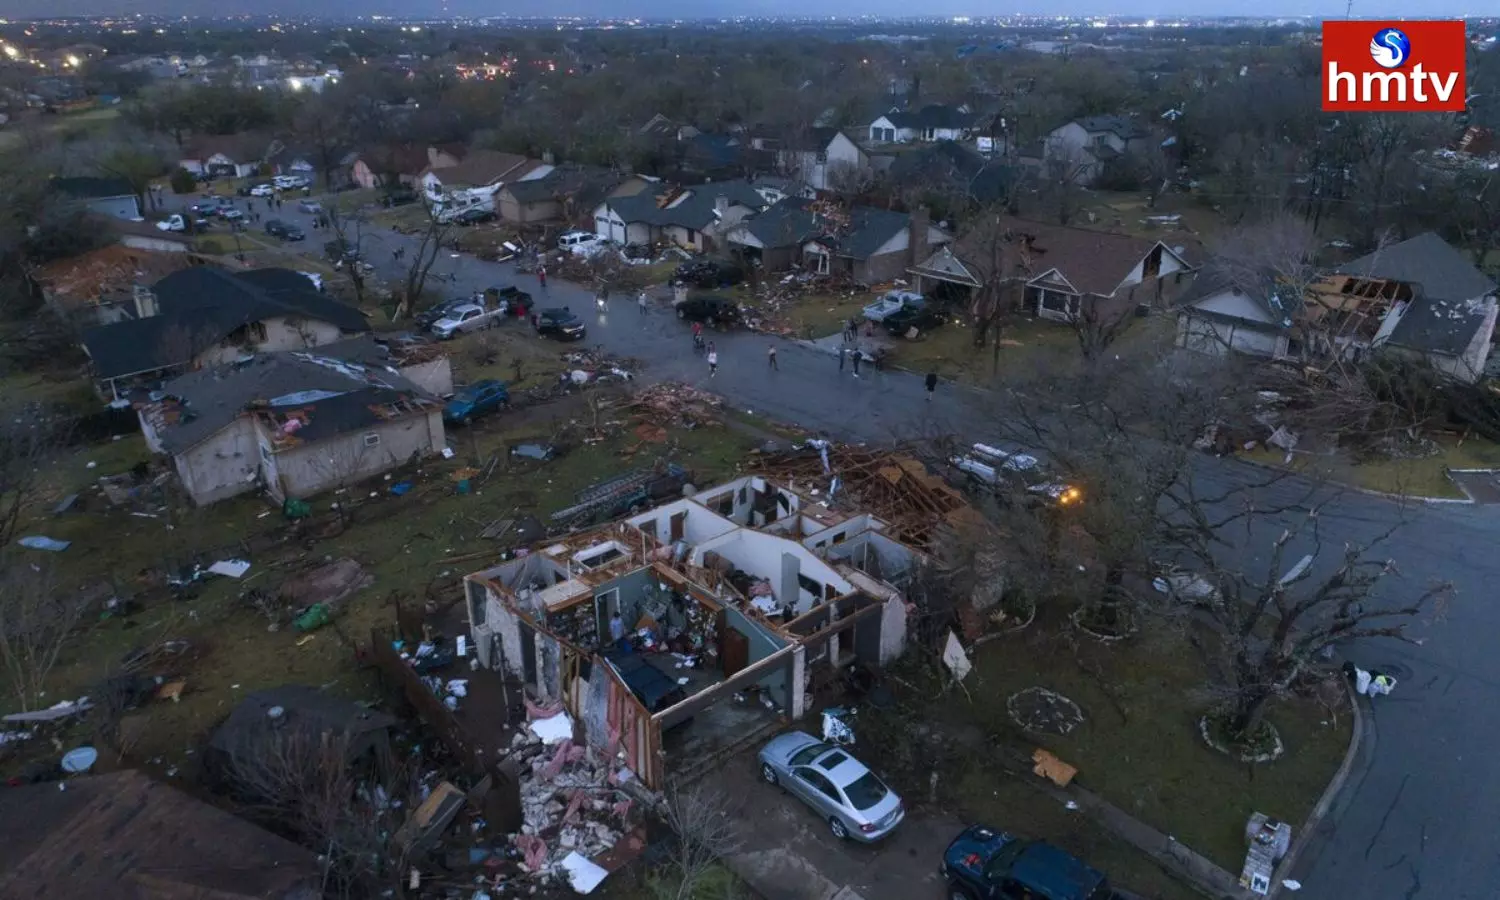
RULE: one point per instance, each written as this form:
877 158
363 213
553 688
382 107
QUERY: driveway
1415 822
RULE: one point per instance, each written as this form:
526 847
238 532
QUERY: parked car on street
474 216
311 207
284 230
1015 474
428 317
710 309
478 399
291 182
560 324
262 190
230 214
465 319
579 243
854 802
517 302
984 862
922 318
709 273
892 302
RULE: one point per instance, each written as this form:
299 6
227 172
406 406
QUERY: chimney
721 207
917 225
549 158
145 301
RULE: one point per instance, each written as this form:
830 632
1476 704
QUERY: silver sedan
855 803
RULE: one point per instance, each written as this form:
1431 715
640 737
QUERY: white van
581 243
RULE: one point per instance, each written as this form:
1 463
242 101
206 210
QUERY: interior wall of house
698 524
763 643
874 554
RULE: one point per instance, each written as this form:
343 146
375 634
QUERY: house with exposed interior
1420 298
98 287
864 243
569 193
294 423
473 181
112 197
1090 143
205 316
693 218
737 602
935 122
1058 272
126 836
822 158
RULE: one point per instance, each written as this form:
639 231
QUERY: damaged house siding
305 470
280 333
226 464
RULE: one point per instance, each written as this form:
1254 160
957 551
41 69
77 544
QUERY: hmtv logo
1393 66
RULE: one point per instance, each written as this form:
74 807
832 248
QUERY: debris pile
675 403
584 367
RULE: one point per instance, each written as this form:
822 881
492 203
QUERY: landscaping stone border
1208 738
1076 618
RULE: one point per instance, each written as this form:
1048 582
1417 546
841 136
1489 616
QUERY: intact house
205 316
733 601
112 197
389 166
125 835
569 193
1091 142
822 158
472 182
866 244
295 424
1420 298
693 218
1058 272
948 168
931 123
228 155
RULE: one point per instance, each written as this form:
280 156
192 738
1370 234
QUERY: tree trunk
1249 711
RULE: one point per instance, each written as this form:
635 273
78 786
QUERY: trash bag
836 726
315 617
296 509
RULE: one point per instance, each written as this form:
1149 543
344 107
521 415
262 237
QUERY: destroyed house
735 603
296 424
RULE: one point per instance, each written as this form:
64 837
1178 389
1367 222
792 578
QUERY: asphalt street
1414 819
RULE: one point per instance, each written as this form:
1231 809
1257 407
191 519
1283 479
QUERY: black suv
474 216
984 862
284 230
710 310
560 324
518 302
922 318
708 273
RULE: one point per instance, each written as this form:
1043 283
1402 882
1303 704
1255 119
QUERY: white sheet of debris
583 874
553 730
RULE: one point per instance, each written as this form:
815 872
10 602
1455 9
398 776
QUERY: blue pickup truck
984 863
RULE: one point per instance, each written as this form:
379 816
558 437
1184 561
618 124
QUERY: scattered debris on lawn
678 404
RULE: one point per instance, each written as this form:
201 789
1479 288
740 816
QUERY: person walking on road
931 382
640 300
771 358
541 276
855 355
713 361
842 351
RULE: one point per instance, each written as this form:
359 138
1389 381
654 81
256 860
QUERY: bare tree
1061 181
36 620
348 231
706 832
434 233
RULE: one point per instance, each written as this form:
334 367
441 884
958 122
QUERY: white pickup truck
466 318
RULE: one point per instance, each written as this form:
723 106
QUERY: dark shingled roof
1446 312
858 234
305 709
1121 127
933 116
950 164
127 837
86 188
334 395
695 211
203 305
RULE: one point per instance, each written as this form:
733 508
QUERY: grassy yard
1138 746
1026 346
1426 477
407 543
1126 212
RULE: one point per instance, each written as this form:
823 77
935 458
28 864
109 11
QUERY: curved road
1413 819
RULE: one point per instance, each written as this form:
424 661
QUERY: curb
1325 802
1459 501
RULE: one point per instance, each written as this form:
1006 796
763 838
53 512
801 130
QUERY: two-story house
1092 142
692 218
821 158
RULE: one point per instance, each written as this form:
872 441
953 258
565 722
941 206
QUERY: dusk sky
1412 9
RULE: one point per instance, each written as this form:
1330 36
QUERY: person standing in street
855 354
713 360
842 351
541 276
931 385
771 358
641 301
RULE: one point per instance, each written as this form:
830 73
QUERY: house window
820 263
821 159
372 439
723 505
692 236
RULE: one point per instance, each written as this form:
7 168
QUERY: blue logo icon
1390 48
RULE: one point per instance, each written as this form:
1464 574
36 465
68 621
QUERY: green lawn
1426 477
1025 347
1138 746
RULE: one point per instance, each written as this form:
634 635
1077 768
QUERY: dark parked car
474 216
518 302
284 230
428 317
922 318
710 310
399 197
478 399
984 862
708 273
559 323
341 251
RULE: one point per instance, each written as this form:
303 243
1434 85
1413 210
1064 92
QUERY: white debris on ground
573 804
